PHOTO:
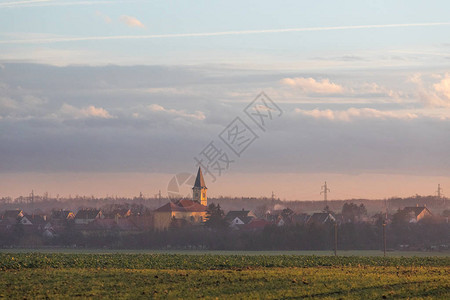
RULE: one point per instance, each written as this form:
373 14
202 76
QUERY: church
184 211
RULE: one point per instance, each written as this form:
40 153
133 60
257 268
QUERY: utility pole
440 195
384 238
385 209
31 197
325 191
439 191
158 198
273 198
335 238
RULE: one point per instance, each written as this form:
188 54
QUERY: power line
439 191
325 191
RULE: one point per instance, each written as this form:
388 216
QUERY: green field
121 275
229 252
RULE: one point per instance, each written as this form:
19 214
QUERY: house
144 222
12 215
127 225
281 217
12 218
256 225
102 225
62 215
321 218
237 218
184 211
16 216
112 225
86 216
119 213
49 232
37 219
25 221
416 214
300 219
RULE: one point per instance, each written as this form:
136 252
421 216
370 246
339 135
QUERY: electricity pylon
325 191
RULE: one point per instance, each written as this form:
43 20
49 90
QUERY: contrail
208 34
22 3
38 3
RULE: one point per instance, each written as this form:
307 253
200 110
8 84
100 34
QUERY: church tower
199 189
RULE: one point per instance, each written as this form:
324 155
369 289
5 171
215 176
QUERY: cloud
90 111
356 113
104 17
433 95
131 21
24 106
7 104
310 85
80 121
198 115
442 88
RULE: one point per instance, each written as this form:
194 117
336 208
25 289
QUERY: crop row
202 262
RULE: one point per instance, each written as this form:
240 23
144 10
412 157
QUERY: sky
121 97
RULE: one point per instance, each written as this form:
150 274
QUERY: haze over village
124 107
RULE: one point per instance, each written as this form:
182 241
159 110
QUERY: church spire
199 189
199 181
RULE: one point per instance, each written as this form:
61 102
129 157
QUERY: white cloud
443 87
310 85
434 95
104 17
356 113
21 107
85 112
30 100
7 104
198 115
131 21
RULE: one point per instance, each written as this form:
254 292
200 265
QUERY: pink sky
285 186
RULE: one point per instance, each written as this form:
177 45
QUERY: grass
39 275
231 252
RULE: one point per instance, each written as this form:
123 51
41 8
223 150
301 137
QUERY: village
129 220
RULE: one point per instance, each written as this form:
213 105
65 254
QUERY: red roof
182 206
256 224
170 207
192 206
417 210
87 214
